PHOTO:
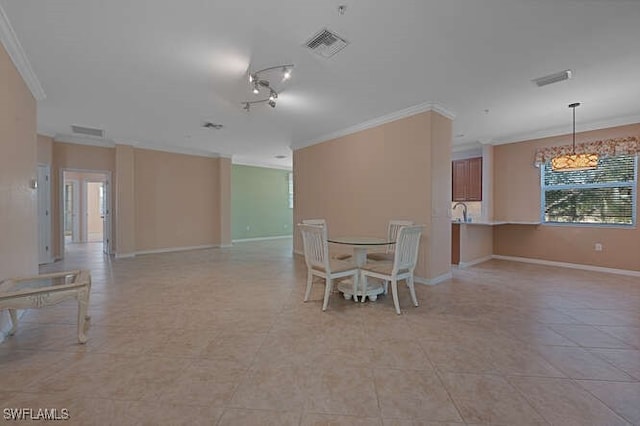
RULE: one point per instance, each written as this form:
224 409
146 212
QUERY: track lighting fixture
258 79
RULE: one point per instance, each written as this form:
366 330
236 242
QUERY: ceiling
151 72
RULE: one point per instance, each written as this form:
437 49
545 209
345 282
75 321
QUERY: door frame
44 220
107 181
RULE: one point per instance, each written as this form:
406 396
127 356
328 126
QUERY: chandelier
572 162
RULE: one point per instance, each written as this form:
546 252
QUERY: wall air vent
326 43
553 78
88 131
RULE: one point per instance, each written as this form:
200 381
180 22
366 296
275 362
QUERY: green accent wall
259 202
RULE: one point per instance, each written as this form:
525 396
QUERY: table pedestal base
374 288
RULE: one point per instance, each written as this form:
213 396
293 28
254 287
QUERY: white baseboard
463 265
174 249
279 237
225 245
125 255
569 265
433 281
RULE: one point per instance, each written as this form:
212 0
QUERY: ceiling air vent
210 125
326 44
88 131
553 78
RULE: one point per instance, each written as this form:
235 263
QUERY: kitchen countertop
481 222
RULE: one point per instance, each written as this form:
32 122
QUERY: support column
224 201
125 202
439 239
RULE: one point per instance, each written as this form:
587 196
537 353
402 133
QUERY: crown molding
173 149
84 140
584 127
18 56
262 164
466 147
109 143
397 115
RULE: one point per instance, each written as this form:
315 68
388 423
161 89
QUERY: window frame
290 190
634 195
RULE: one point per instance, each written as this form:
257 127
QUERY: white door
71 232
44 215
106 213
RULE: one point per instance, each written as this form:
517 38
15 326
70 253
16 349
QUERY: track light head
260 79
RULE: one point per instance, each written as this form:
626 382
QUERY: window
290 190
603 196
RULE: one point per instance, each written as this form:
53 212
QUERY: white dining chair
404 263
392 233
323 222
316 256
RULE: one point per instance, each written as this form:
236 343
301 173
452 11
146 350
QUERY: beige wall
18 201
45 150
517 197
399 170
176 200
476 242
94 219
78 157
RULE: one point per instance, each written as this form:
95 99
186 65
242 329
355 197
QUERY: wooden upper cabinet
466 179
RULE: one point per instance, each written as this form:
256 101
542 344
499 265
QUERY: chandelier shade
574 162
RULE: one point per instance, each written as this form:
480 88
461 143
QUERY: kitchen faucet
464 210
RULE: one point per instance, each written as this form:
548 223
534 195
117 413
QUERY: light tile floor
222 337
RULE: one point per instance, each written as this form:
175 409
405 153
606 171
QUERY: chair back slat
392 232
316 248
407 243
321 222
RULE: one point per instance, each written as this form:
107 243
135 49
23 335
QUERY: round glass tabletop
360 241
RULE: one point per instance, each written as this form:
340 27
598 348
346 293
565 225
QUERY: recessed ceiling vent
326 43
553 78
88 131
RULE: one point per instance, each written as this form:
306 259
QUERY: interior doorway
86 217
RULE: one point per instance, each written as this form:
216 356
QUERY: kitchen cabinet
466 179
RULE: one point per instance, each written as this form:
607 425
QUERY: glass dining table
361 245
44 290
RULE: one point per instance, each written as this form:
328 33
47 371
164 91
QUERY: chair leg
386 287
309 282
363 286
327 291
394 292
412 289
357 279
